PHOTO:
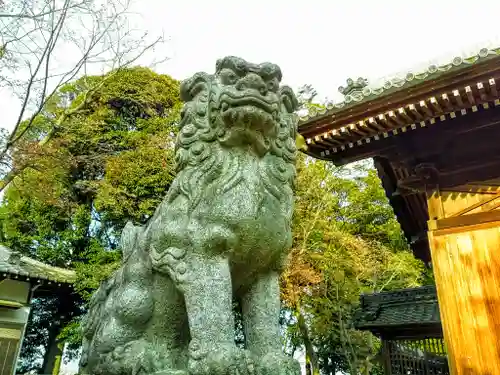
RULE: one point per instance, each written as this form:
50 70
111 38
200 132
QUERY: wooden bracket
465 222
425 178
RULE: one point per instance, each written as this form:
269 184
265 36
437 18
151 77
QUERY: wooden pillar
464 237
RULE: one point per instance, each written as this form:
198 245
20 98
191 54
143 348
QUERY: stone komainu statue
222 232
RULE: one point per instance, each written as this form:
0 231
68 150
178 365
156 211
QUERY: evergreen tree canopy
110 161
346 242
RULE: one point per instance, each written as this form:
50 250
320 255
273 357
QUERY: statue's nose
252 81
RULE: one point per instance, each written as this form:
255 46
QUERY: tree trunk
328 368
53 355
310 353
308 366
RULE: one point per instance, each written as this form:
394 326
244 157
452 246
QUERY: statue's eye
197 89
228 77
272 85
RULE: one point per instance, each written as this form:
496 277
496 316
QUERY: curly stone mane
205 155
222 233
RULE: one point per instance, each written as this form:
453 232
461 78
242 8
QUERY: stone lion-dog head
241 107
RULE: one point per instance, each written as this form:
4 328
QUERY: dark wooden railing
416 357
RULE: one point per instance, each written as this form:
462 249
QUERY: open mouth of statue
248 101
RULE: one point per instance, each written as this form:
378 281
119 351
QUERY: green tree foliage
36 33
110 161
347 242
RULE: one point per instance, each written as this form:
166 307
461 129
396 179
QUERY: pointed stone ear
128 240
192 86
218 64
289 99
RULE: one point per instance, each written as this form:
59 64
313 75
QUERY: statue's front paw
223 360
278 364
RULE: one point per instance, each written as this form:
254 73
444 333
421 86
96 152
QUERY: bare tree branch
55 32
45 44
39 15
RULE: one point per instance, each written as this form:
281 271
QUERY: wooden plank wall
464 236
9 346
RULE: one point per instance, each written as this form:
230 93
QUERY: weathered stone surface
222 232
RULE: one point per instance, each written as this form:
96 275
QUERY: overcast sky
319 42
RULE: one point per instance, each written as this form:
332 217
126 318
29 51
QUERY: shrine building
21 280
434 136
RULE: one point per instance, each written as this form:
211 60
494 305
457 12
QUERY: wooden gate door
464 236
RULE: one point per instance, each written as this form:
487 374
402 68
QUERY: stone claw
226 360
278 364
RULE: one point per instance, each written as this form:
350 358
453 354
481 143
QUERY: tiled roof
399 81
402 308
13 263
